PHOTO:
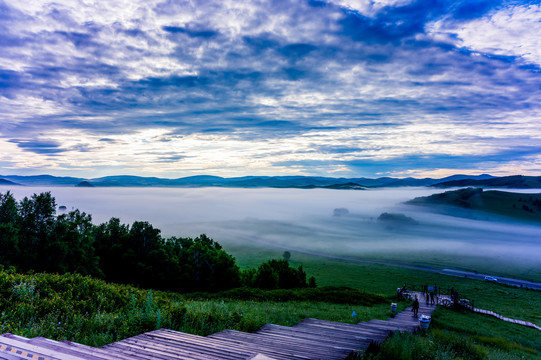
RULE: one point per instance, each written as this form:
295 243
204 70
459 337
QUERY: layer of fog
306 219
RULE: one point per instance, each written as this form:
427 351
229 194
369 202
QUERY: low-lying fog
338 222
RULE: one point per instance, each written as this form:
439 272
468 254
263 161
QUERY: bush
277 274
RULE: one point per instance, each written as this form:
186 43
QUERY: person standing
415 306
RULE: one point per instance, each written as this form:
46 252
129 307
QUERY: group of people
430 296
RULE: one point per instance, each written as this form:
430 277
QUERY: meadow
94 312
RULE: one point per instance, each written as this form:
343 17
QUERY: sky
341 88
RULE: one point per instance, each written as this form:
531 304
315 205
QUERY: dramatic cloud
338 87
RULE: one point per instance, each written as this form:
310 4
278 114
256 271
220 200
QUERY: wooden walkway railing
514 321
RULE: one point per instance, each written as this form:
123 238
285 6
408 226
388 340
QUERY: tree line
34 238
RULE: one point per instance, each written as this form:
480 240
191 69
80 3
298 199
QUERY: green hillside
515 205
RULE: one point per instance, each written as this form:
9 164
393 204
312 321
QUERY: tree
73 247
111 243
36 221
9 232
207 266
275 274
8 209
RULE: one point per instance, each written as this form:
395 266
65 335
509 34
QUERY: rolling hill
457 202
304 182
511 182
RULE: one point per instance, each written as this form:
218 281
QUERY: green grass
383 280
488 330
453 336
95 313
89 311
209 316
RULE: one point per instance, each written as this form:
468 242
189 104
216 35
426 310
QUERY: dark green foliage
470 200
329 294
396 220
276 274
33 238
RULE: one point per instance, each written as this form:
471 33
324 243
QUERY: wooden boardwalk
501 317
309 339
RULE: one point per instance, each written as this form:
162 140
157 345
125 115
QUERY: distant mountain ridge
303 182
514 182
8 182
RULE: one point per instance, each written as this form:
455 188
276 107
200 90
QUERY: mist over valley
374 224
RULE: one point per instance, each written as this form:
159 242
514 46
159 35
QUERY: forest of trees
34 238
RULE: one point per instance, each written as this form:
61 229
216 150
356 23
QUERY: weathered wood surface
309 339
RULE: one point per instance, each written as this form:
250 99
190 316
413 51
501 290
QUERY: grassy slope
69 311
514 205
383 280
455 335
95 313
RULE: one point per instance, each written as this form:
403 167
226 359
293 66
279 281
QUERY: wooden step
200 348
11 356
344 329
17 345
69 349
304 349
334 338
228 344
390 326
215 343
142 354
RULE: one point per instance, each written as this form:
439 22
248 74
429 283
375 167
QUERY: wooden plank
8 356
333 324
358 337
276 349
63 348
385 327
280 352
196 350
241 345
327 337
319 340
357 331
303 348
10 340
200 343
138 353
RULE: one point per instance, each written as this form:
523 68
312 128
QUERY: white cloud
512 31
369 7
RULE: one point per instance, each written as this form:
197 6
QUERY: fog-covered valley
337 222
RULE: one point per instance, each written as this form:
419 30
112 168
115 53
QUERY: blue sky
335 88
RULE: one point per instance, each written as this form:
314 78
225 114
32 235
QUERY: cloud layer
343 87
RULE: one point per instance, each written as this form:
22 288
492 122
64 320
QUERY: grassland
453 335
93 312
383 280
